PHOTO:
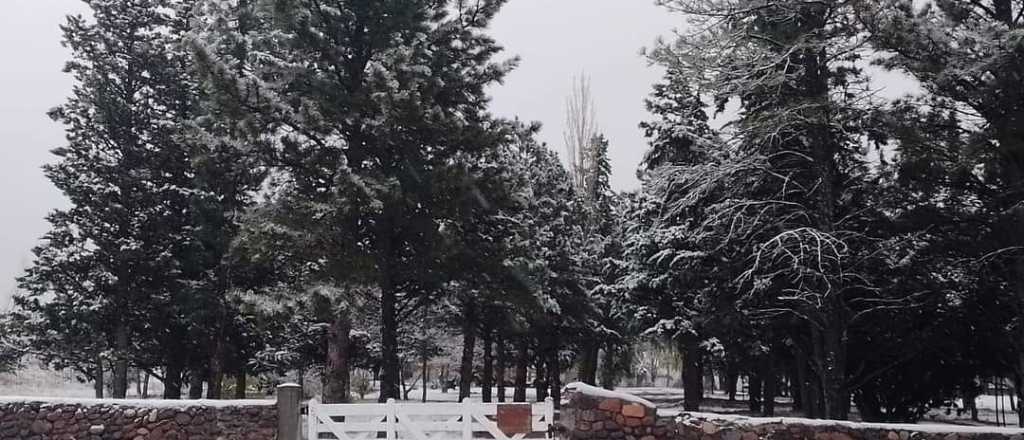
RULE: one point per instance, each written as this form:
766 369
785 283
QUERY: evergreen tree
11 351
127 180
367 104
961 143
785 192
659 287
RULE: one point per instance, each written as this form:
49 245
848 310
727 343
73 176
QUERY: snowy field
35 381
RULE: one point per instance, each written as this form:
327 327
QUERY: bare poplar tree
580 128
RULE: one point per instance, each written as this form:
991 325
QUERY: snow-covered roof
591 390
922 427
154 403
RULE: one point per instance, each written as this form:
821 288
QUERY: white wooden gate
419 421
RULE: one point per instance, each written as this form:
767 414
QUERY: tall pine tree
366 104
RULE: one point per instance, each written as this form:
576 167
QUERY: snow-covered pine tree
968 58
60 329
546 258
11 350
225 176
126 177
665 284
786 191
606 337
366 104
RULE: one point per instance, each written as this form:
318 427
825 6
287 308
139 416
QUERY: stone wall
591 414
136 420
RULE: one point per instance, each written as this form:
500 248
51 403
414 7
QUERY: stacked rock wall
591 413
710 427
160 420
594 414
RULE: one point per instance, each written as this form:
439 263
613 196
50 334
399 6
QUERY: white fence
422 421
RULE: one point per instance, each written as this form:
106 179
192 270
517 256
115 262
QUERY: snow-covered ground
35 381
989 402
987 413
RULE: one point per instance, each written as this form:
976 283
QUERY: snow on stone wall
603 415
105 419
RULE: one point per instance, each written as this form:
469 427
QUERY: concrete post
289 417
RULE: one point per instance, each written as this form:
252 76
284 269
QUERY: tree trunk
145 385
540 379
703 377
388 261
500 365
98 380
971 404
468 345
555 371
425 373
240 385
195 385
833 373
522 364
216 373
405 388
588 361
487 381
691 374
172 379
608 369
809 394
754 393
813 401
120 372
829 356
732 376
337 382
770 382
389 386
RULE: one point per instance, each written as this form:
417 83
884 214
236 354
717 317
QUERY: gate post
289 416
467 419
549 417
390 419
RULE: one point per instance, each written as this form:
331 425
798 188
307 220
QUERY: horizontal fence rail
426 421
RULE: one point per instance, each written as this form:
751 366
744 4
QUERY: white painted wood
467 419
415 421
311 420
548 422
391 416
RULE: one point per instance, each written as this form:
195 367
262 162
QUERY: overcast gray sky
555 38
